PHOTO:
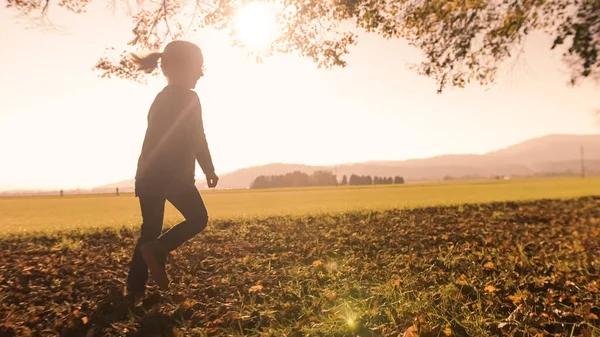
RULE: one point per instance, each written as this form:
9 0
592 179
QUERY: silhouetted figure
61 193
174 141
117 191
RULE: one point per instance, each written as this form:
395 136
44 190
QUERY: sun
255 25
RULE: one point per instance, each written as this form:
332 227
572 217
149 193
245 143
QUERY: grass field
504 269
340 262
53 213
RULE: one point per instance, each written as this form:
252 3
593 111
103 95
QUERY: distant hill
548 155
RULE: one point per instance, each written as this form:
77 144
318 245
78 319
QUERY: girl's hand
212 180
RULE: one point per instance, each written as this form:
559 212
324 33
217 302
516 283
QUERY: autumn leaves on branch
463 41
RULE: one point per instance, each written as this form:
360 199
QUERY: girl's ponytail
146 63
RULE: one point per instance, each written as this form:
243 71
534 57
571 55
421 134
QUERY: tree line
295 179
319 178
368 180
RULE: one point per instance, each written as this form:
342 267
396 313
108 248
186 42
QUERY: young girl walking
174 141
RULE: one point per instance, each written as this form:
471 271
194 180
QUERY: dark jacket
174 140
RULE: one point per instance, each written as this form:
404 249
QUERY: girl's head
181 63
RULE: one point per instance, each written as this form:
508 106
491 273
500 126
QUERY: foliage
503 269
295 179
385 180
360 180
462 41
368 180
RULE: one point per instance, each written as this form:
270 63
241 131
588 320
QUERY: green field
52 213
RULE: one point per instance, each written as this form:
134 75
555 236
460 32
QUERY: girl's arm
197 138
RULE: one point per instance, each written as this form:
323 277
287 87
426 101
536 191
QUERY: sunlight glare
255 25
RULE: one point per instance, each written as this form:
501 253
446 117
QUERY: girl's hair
146 63
177 57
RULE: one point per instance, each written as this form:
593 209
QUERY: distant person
173 142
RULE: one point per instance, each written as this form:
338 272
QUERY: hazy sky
62 127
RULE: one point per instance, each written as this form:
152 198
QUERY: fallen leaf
489 265
331 295
585 332
593 287
490 289
256 288
178 298
592 316
515 299
448 332
317 263
412 331
84 320
462 280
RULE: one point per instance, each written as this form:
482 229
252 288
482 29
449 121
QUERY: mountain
548 155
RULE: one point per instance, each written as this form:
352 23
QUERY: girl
173 143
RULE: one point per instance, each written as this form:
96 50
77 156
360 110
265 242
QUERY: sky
61 126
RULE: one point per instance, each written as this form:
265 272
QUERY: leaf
317 263
515 299
592 316
331 295
462 280
412 331
84 320
585 332
178 298
593 287
489 265
447 332
490 289
256 288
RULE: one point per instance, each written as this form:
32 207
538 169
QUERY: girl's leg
154 253
153 210
190 204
